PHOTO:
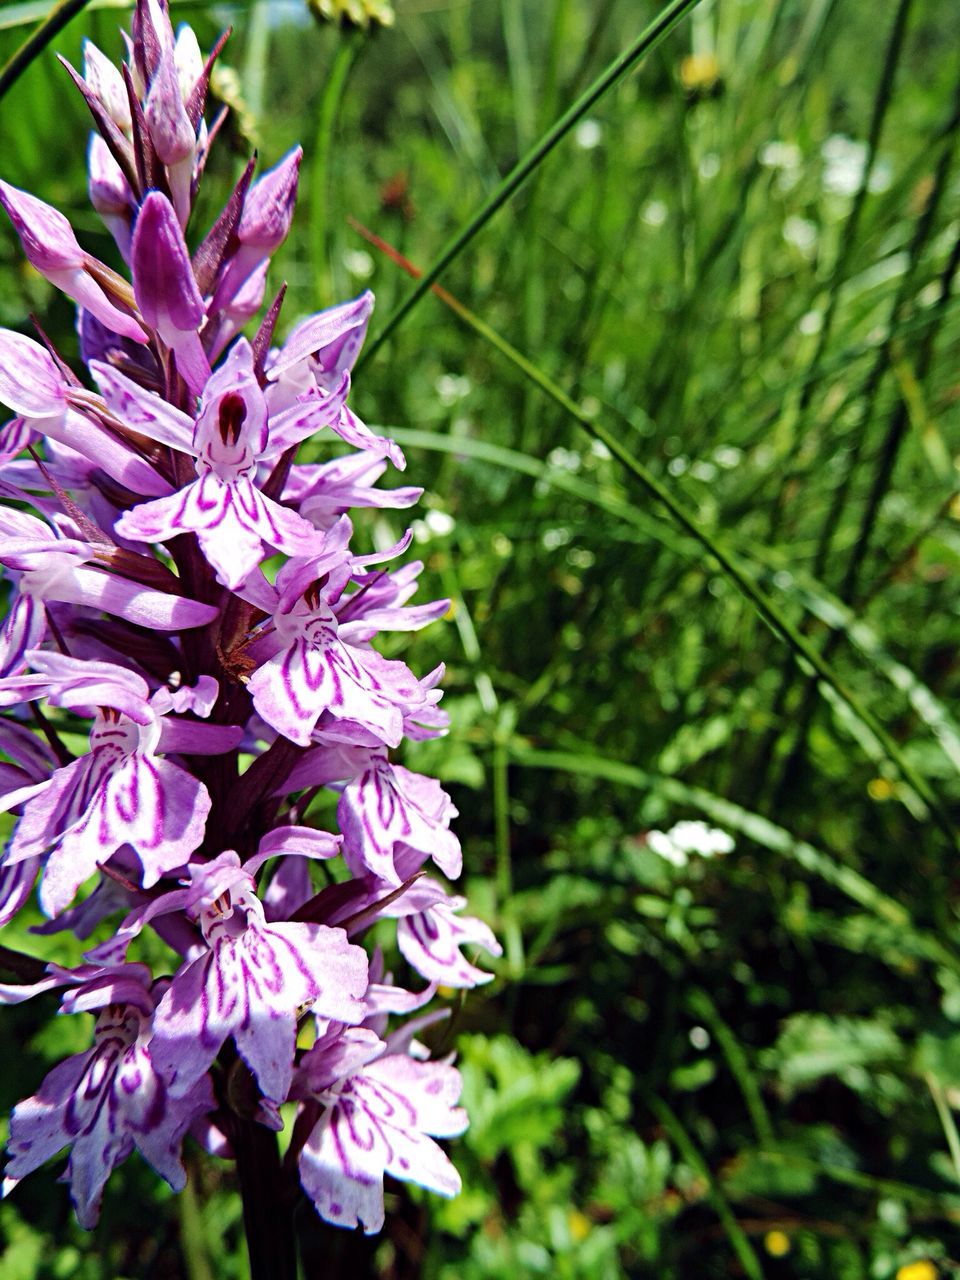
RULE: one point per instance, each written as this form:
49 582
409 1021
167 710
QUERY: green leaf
813 1045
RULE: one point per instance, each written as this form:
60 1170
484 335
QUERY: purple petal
431 942
171 132
46 235
30 382
143 410
334 337
268 208
163 280
158 610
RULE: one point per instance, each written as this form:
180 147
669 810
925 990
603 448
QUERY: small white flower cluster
686 838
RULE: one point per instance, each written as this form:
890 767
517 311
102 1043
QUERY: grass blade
753 825
35 44
685 1145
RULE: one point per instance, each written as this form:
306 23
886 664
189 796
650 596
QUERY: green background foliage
731 596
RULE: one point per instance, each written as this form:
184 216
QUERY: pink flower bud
105 80
110 192
268 208
165 288
171 132
46 235
51 247
163 282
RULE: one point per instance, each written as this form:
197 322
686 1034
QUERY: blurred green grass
742 264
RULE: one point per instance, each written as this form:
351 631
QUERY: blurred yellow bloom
355 13
922 1270
579 1224
777 1244
699 71
879 789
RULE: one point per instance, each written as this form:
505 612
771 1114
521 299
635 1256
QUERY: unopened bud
188 59
268 208
110 192
105 80
163 282
46 235
171 132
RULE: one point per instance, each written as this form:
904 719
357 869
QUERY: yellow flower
354 13
777 1244
699 72
579 1224
879 789
922 1270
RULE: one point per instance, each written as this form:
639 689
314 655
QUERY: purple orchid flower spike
115 623
165 288
231 437
120 793
106 1102
250 982
51 247
379 1113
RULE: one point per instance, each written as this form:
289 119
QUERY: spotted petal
251 986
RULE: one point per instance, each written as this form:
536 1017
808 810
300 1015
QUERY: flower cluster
143 525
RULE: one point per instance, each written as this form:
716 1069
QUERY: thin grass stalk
881 105
35 44
691 1155
888 453
256 59
901 418
645 43
703 1006
922 232
344 60
196 1256
726 240
947 1122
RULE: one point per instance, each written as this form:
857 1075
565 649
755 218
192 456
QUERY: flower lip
231 416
